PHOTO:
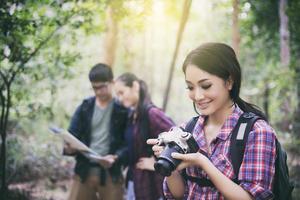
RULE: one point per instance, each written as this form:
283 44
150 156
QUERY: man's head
101 78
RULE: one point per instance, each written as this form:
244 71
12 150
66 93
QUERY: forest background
47 48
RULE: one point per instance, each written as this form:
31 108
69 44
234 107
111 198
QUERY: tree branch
8 99
2 113
21 65
2 99
4 80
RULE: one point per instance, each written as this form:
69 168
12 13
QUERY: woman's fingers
178 156
152 141
157 150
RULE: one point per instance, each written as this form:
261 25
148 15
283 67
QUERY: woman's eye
205 87
189 87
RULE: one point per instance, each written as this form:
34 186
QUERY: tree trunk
284 34
296 121
5 106
110 41
266 99
235 27
284 54
185 14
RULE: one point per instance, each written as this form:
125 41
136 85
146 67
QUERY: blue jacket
80 127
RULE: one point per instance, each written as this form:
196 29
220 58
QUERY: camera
176 140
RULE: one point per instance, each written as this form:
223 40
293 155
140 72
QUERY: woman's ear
136 86
229 83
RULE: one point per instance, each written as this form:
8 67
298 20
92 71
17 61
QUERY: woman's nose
199 94
120 99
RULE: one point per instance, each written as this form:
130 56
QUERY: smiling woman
213 78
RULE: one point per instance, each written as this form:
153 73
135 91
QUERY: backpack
282 188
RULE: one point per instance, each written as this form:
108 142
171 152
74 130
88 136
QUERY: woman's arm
228 188
176 184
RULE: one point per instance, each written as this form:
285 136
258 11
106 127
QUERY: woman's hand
190 159
156 148
146 163
107 161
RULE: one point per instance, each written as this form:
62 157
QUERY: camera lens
164 167
165 163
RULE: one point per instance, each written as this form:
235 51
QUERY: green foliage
294 21
32 40
261 34
131 14
15 155
260 30
36 50
262 19
174 10
260 27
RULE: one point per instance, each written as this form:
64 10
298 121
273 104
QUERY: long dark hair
144 102
220 60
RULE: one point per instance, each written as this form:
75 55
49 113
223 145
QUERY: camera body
176 140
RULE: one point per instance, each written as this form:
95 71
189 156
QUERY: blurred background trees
47 48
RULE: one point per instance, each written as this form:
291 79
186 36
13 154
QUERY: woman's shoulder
263 128
263 125
154 110
158 115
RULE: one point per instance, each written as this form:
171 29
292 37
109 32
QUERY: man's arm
75 128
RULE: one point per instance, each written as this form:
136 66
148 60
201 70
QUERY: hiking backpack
282 187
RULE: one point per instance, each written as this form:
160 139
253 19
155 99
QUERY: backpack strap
189 127
239 139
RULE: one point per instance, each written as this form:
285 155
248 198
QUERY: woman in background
145 121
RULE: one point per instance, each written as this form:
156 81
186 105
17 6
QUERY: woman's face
209 92
128 96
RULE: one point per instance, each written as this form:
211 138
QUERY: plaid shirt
257 169
148 184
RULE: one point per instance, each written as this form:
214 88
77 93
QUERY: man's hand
146 163
108 161
68 149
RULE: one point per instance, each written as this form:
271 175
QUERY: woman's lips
203 105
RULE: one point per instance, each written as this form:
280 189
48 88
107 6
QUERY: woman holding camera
213 79
145 121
